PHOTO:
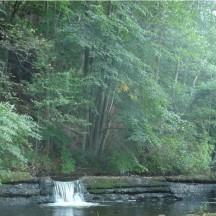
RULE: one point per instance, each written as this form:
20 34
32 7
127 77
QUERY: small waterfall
68 192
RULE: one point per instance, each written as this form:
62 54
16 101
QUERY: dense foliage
114 87
15 129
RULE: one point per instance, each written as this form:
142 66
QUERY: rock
203 214
132 190
17 177
122 181
14 201
46 186
42 199
142 188
99 189
128 197
207 178
23 190
127 188
25 200
25 193
192 191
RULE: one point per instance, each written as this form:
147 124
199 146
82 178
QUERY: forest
108 87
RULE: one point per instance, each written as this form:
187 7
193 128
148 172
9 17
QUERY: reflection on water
63 212
111 209
135 209
80 204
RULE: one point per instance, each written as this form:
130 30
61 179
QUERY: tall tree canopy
112 86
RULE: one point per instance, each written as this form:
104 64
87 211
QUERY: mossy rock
202 214
131 190
104 182
10 177
207 178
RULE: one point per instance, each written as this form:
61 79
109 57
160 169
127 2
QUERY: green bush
68 164
15 129
124 162
176 156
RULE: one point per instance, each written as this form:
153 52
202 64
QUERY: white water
69 194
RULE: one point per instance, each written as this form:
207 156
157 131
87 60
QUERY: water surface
110 209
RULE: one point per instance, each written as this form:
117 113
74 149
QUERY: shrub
15 129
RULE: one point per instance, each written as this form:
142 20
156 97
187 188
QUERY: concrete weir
146 188
112 188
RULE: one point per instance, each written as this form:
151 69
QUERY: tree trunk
185 77
157 68
48 117
16 6
97 130
106 133
96 135
85 71
86 133
177 71
194 82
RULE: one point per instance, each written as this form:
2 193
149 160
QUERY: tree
15 131
113 85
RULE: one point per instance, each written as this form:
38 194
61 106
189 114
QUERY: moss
123 181
130 190
207 178
96 191
202 214
14 176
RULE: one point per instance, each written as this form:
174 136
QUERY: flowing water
68 194
109 209
69 201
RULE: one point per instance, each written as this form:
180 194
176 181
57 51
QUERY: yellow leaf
123 87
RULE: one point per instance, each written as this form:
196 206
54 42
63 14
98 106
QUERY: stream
68 198
178 208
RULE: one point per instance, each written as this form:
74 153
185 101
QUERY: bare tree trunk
157 68
85 71
108 122
105 111
97 133
86 62
101 121
209 117
93 120
86 133
177 71
107 130
194 81
185 77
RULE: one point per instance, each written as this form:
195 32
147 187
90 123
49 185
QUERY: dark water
111 209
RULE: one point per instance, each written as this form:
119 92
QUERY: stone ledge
128 197
24 190
106 182
17 177
25 200
133 190
205 179
106 188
